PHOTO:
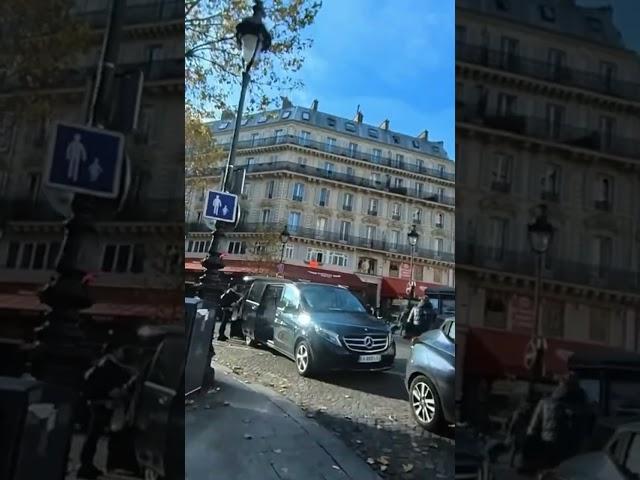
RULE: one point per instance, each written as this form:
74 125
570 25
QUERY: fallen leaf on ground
407 468
370 461
336 467
226 404
277 450
383 468
384 460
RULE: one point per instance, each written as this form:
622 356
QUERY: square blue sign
85 160
221 206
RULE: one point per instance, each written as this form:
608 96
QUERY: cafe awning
397 288
320 275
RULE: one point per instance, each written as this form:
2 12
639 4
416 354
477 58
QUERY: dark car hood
349 320
437 340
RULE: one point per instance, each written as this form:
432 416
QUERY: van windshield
321 298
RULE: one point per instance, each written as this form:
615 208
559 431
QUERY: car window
618 447
632 463
166 369
321 298
271 296
452 331
290 297
624 397
255 292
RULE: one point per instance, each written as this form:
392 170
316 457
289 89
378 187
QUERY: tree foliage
214 64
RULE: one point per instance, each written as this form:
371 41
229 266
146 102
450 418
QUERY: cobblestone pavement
368 411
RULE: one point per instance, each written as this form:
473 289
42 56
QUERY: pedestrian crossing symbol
221 206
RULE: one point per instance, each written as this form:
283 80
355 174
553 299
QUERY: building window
370 232
315 255
603 255
373 207
345 231
395 211
347 202
270 188
394 238
289 251
555 119
350 127
266 215
198 246
501 174
507 105
419 189
321 224
367 265
331 144
375 178
34 186
254 139
553 319
373 133
509 52
338 259
398 182
548 13
495 312
32 256
607 127
394 269
305 138
377 155
329 168
331 121
237 248
437 275
608 74
350 172
302 161
551 182
353 149
306 116
420 165
259 248
399 161
417 215
438 246
262 119
298 192
120 258
603 193
599 323
279 135
294 221
557 59
499 228
286 114
323 201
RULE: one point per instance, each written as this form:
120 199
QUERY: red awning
31 303
499 353
319 275
193 265
397 288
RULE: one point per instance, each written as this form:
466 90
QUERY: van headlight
332 337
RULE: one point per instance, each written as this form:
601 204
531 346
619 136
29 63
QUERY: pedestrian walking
227 300
517 429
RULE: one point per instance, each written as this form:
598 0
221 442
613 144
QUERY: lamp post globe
252 36
285 235
540 232
413 236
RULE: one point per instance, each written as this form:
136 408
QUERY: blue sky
394 58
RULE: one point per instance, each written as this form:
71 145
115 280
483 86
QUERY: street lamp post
540 234
284 239
253 39
413 237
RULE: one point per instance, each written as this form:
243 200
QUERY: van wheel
304 359
425 404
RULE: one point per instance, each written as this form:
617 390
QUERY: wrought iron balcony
523 263
24 209
349 239
150 12
341 177
344 152
539 128
547 71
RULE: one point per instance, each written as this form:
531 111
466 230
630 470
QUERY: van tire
304 359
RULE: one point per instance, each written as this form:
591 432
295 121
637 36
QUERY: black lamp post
253 39
540 234
284 239
413 237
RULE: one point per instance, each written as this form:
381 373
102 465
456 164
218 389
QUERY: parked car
618 460
321 327
430 377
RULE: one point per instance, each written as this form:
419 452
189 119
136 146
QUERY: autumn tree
213 64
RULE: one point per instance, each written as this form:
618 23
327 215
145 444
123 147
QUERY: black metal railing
151 12
197 227
347 239
152 210
547 71
24 209
523 263
540 128
344 152
341 177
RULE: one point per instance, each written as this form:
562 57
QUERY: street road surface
368 411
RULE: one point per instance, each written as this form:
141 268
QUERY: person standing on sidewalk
227 301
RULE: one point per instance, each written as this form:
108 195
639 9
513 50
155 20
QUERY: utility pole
57 340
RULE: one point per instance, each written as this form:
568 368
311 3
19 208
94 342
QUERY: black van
321 327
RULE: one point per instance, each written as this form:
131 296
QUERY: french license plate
370 358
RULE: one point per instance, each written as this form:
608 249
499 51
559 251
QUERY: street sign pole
68 292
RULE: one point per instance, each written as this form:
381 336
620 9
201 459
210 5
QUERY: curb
350 463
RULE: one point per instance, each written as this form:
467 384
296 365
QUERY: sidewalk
251 433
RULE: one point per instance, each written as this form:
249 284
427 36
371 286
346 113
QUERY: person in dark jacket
227 301
558 422
517 430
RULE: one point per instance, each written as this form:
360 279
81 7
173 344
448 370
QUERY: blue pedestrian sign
85 160
221 206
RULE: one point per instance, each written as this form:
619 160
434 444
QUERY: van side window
290 297
255 293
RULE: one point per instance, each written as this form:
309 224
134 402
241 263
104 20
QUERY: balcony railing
604 205
523 263
341 177
563 134
349 239
28 210
150 12
547 71
197 227
345 152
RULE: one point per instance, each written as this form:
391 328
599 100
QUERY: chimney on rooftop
424 135
314 105
385 125
286 103
359 117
